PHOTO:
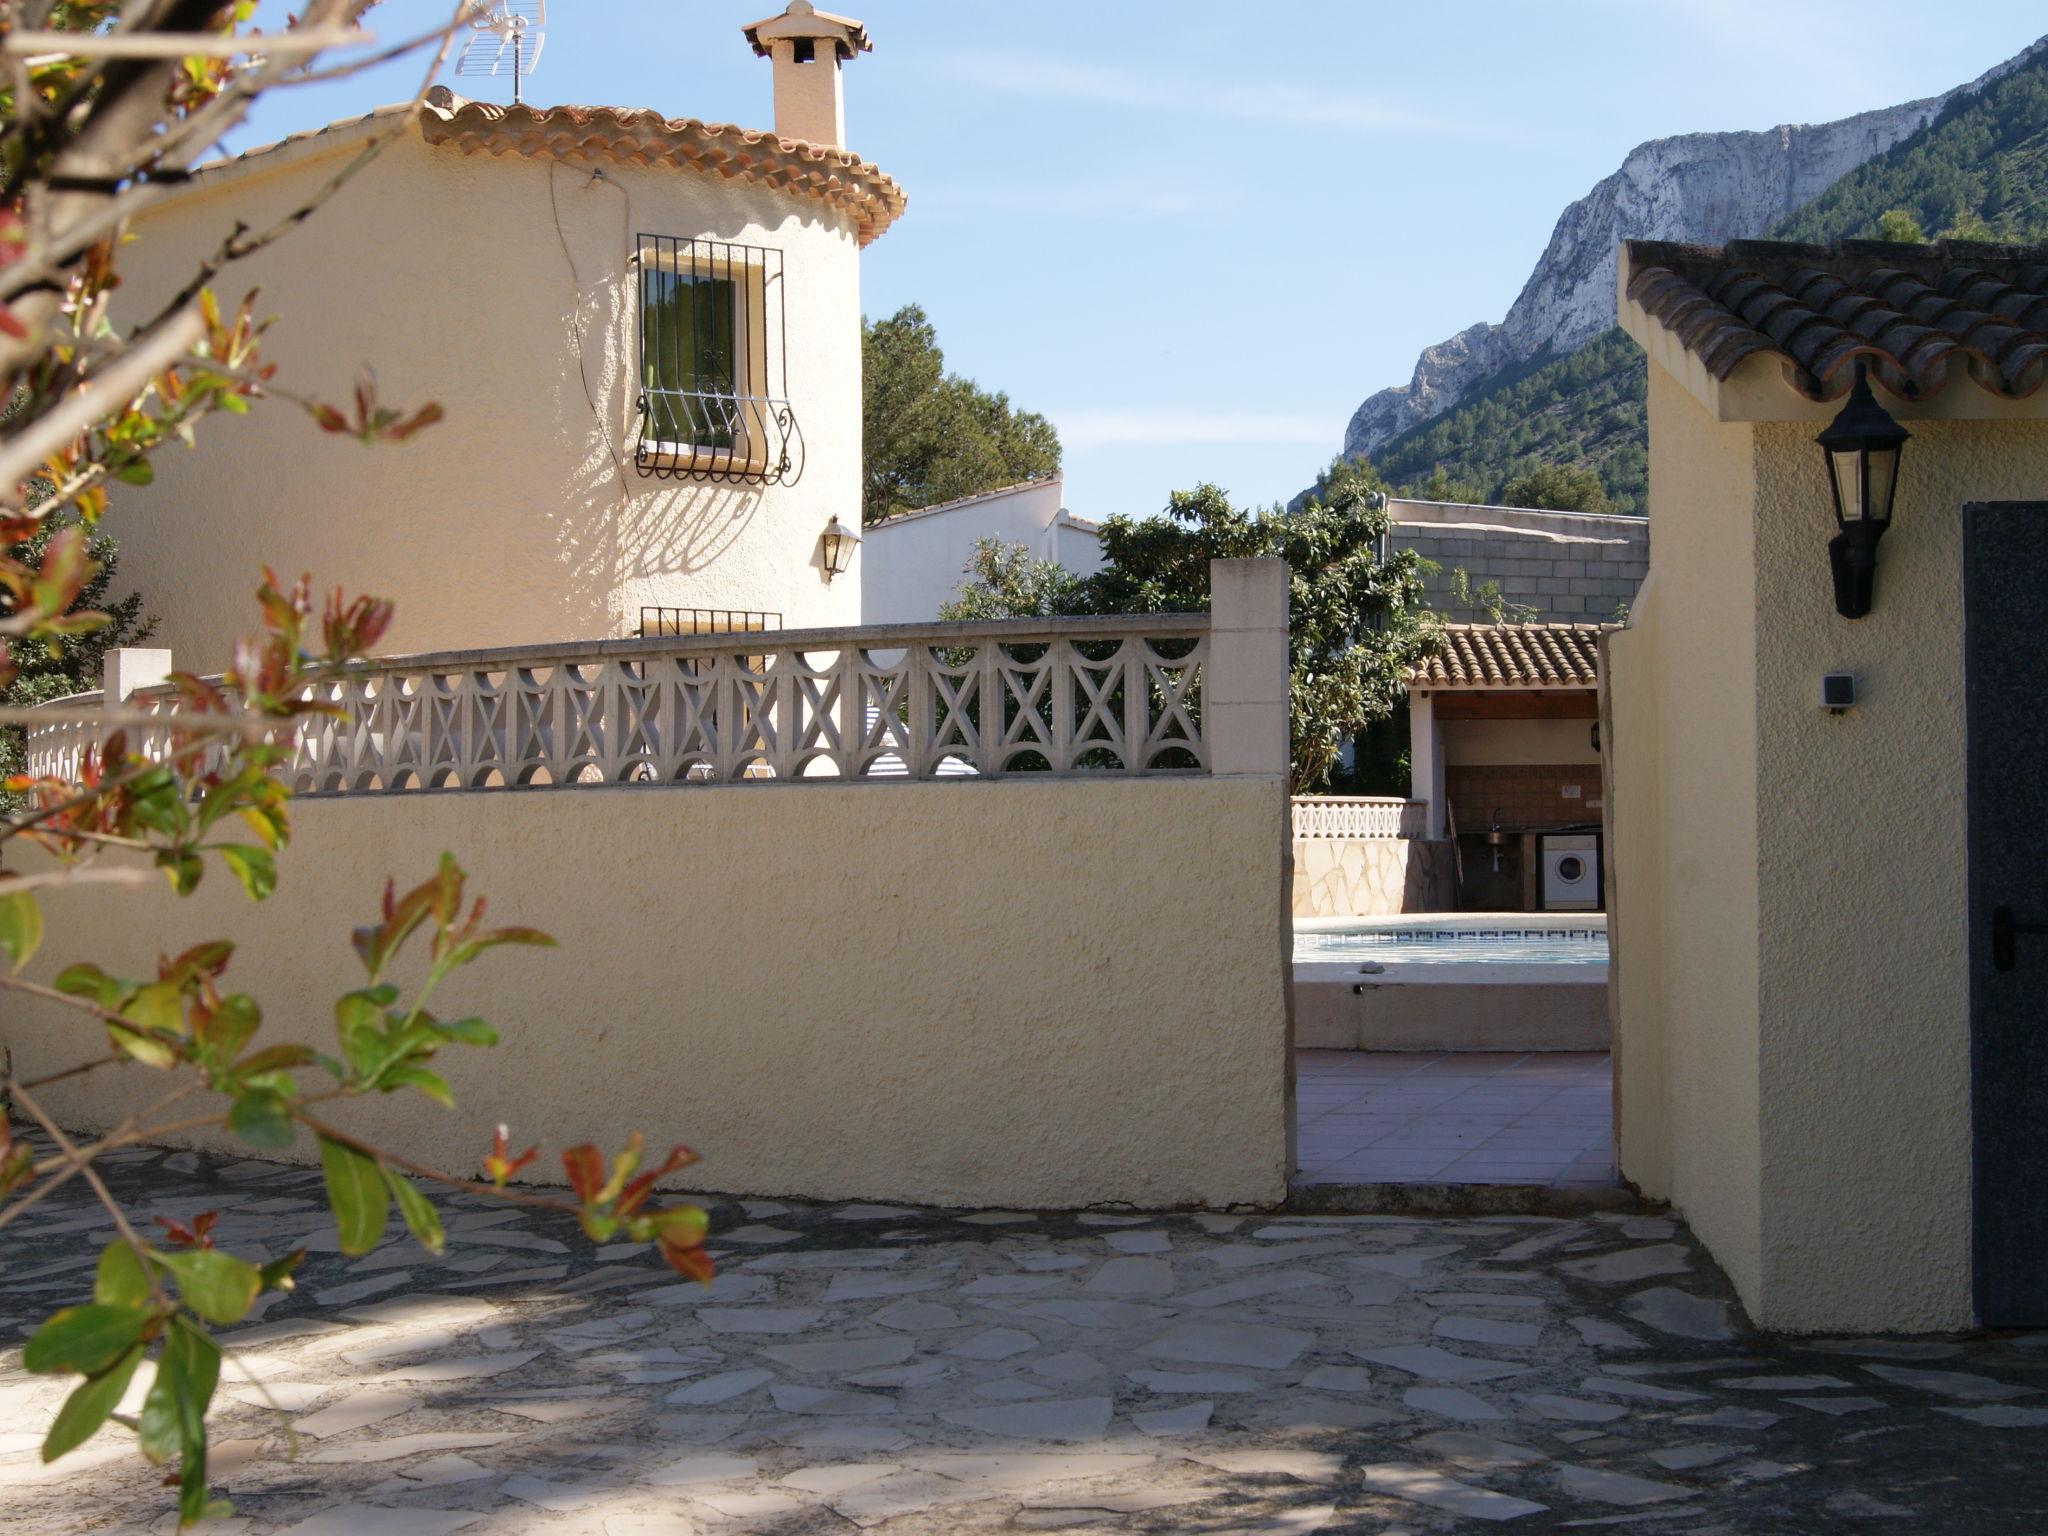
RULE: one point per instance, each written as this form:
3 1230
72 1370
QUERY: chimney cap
803 19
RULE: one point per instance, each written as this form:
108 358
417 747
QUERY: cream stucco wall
1865 1065
1683 763
521 518
1791 986
1508 743
1020 993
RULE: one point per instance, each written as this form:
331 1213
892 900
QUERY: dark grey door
2005 614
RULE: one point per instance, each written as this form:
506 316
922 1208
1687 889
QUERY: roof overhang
1520 660
824 173
1765 384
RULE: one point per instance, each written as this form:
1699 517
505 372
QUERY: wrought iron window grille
713 398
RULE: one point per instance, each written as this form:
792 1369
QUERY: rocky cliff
1706 187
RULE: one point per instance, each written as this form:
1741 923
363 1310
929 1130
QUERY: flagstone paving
882 1368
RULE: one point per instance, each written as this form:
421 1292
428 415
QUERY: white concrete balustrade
1357 818
1115 695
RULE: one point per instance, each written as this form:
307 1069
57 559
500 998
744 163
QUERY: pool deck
1466 1117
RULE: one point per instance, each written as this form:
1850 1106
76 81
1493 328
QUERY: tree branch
19 1095
473 1186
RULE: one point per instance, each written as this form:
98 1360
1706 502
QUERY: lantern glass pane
1884 474
1843 466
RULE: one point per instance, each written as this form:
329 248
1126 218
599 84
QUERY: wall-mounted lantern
1862 450
835 548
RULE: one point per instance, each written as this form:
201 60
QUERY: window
713 401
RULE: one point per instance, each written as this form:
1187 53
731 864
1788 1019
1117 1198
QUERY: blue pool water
1501 943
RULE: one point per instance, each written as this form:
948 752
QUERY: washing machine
1569 863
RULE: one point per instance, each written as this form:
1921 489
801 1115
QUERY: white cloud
1163 428
1027 74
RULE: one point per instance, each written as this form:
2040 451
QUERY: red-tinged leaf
11 326
585 1166
680 1226
424 417
328 418
497 1166
492 938
198 1235
209 959
690 1263
631 1198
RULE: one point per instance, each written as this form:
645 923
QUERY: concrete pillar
127 668
1244 694
1426 762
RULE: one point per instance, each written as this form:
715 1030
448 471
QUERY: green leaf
357 1192
233 1022
470 1032
262 1119
120 1280
253 866
421 1219
218 1286
21 926
275 1058
182 870
173 1418
89 981
86 1409
137 473
86 1339
277 1274
432 1084
359 1025
158 1006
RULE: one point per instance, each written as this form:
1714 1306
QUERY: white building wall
915 562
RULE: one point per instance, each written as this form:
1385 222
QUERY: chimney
806 47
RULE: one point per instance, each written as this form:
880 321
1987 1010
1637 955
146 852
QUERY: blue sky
1197 234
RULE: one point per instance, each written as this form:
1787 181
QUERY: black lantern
835 548
1862 450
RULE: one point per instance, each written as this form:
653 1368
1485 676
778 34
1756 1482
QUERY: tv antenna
505 40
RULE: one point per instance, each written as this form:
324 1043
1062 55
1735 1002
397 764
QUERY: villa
631 685
645 334
1034 888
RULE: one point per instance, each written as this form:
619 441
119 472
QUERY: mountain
1558 382
1985 160
1586 407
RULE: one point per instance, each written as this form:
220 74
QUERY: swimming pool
1577 939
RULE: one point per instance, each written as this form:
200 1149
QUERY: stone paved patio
918 1371
1464 1117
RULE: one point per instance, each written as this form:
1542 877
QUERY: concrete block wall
1577 567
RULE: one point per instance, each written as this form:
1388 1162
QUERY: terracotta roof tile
1513 656
645 137
1920 315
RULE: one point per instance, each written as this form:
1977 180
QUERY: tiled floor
1384 1117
